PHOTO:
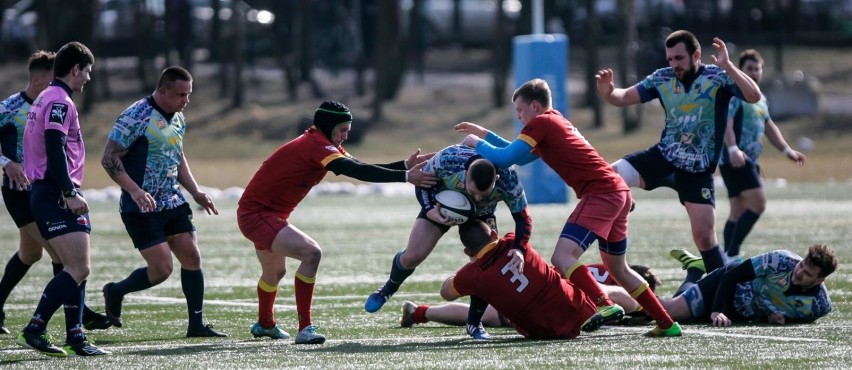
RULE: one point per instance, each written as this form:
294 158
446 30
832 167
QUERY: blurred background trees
377 43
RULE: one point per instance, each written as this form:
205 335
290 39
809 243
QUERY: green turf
359 236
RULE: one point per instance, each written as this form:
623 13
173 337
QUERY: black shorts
656 171
708 285
738 180
151 228
50 213
18 205
489 219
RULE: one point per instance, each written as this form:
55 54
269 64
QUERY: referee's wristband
4 161
732 149
788 151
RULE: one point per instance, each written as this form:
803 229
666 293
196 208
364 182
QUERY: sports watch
71 193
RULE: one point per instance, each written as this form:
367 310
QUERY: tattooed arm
111 161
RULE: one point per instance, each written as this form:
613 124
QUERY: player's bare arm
188 182
751 92
737 156
111 162
774 136
612 95
471 128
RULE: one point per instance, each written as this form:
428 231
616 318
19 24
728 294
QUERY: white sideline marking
731 335
242 303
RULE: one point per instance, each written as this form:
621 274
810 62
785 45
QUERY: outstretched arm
777 140
518 152
751 92
373 173
618 97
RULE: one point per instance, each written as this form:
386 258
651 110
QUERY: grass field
359 236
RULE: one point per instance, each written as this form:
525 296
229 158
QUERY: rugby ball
455 206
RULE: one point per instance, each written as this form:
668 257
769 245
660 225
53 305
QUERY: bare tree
238 19
389 63
631 116
592 38
501 58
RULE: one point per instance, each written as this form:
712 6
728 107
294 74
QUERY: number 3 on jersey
516 276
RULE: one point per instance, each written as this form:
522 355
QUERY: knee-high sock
419 315
304 289
652 306
744 224
397 276
581 277
265 303
136 281
55 294
192 283
476 310
74 314
12 275
87 312
728 234
713 258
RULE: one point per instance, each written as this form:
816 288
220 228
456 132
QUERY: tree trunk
627 62
238 18
592 40
501 58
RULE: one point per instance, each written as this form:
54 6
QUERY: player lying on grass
537 302
777 287
455 313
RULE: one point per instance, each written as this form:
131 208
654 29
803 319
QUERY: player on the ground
54 157
537 301
16 188
459 168
455 313
601 214
777 287
695 98
144 155
282 181
747 124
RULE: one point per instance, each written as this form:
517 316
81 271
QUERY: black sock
744 225
397 276
74 314
713 258
192 283
728 234
15 271
476 310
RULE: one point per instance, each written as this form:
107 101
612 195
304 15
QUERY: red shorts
261 227
604 214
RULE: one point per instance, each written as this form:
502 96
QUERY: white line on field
690 331
241 303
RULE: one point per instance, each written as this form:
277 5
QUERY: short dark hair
820 255
69 55
687 38
752 55
534 90
172 74
41 61
648 274
474 235
482 172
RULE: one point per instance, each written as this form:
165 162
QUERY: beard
686 75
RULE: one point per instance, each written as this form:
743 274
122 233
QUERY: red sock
304 287
419 315
652 306
265 301
583 279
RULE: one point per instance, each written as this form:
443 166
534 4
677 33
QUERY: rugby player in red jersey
601 213
282 181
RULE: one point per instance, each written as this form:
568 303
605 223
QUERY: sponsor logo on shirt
58 111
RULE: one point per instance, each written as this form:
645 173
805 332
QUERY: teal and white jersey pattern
749 125
449 165
696 115
155 150
772 290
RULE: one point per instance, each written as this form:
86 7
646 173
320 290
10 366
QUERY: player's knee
159 272
627 172
312 256
30 256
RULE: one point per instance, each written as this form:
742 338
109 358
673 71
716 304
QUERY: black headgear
330 114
